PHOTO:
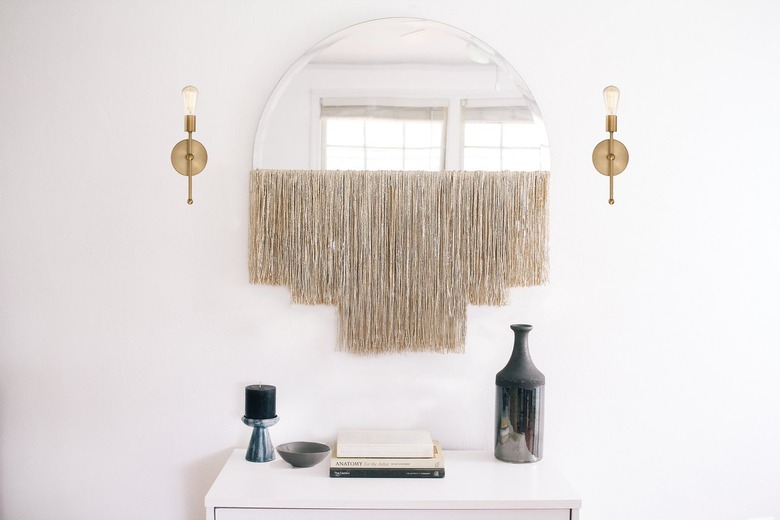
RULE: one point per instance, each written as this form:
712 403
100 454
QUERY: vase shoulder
527 378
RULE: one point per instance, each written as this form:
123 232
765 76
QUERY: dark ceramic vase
519 404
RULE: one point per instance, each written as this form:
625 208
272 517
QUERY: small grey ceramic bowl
303 454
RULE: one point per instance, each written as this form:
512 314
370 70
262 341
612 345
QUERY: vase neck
520 351
520 371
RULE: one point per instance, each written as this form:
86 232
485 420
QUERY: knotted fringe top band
400 254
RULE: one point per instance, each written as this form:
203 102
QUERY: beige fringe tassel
400 254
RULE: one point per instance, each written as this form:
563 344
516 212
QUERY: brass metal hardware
189 157
611 123
610 157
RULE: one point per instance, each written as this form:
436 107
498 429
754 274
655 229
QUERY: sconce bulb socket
189 123
611 123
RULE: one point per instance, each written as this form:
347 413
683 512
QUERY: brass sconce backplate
601 159
179 157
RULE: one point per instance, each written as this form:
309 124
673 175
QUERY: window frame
404 110
453 134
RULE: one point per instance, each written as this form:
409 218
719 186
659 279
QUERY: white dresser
476 486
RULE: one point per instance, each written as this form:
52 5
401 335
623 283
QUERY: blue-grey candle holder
260 448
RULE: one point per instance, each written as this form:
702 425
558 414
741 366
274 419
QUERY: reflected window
496 138
382 137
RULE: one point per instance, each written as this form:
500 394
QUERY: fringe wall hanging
400 254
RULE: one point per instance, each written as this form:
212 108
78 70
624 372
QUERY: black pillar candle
260 402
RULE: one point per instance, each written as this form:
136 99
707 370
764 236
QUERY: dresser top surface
473 480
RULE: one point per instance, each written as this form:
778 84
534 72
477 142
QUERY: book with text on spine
437 461
384 443
387 473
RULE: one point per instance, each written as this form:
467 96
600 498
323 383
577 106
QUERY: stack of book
386 454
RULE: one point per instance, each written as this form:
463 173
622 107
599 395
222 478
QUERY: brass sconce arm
189 157
610 157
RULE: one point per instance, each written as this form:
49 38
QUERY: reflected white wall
290 139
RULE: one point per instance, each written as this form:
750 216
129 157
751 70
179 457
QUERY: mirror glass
401 94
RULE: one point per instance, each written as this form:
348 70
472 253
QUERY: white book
384 443
435 462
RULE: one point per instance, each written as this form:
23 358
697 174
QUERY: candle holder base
260 448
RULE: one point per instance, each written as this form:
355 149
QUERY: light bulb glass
190 95
611 98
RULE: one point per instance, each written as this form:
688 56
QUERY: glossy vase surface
519 421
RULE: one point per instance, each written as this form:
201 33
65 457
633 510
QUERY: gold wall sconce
610 157
189 157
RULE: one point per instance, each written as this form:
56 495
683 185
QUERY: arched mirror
402 94
401 172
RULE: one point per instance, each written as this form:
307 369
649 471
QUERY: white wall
128 329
